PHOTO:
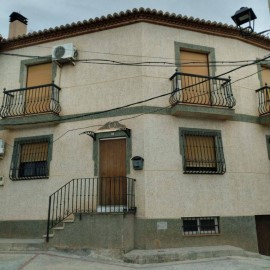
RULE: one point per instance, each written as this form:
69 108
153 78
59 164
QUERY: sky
51 13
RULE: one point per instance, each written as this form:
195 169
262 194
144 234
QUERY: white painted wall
162 190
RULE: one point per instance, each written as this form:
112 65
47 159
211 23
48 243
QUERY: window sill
199 235
205 112
30 178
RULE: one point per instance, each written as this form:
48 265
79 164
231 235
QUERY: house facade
151 129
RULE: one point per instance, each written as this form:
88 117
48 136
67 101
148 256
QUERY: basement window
200 225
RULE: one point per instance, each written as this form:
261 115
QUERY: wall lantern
137 163
244 16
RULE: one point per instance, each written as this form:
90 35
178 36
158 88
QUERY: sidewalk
90 260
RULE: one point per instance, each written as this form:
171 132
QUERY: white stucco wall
242 190
162 190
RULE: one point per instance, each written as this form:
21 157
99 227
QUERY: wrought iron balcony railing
201 90
91 195
264 100
31 100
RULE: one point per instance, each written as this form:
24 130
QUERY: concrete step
51 235
61 225
182 254
13 244
59 228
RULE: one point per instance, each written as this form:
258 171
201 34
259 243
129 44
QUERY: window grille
202 151
200 225
30 159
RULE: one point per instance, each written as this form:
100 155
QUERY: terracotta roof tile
129 17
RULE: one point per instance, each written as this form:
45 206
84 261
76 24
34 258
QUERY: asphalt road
66 261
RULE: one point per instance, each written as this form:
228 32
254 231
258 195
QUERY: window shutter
32 152
200 151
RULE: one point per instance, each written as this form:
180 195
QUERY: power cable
159 96
154 111
131 63
163 108
119 120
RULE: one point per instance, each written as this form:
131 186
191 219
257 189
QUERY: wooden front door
197 64
263 234
38 100
112 172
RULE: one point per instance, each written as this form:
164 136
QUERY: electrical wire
156 97
133 117
143 56
159 109
142 63
119 120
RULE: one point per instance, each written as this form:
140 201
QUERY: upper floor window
264 91
38 75
265 75
37 95
194 82
196 89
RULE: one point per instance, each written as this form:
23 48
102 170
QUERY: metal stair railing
91 195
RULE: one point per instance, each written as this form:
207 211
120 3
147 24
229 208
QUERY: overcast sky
52 13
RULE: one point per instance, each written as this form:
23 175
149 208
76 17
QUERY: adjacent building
149 130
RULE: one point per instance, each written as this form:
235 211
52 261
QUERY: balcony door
265 76
112 172
266 80
38 100
194 91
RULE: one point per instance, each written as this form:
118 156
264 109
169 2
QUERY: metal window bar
264 100
203 152
200 225
31 100
201 90
91 195
30 160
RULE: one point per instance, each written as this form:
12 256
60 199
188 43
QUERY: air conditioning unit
64 53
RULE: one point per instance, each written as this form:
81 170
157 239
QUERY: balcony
201 96
42 99
264 104
264 100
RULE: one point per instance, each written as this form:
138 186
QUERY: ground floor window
200 225
202 151
31 158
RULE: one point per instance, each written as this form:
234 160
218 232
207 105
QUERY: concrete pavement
56 260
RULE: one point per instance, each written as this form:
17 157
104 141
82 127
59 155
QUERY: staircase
104 195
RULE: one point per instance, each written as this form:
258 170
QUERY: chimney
17 25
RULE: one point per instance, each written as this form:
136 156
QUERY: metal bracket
127 131
90 133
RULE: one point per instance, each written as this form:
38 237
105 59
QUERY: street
64 261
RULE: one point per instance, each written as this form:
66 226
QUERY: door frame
105 188
111 135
